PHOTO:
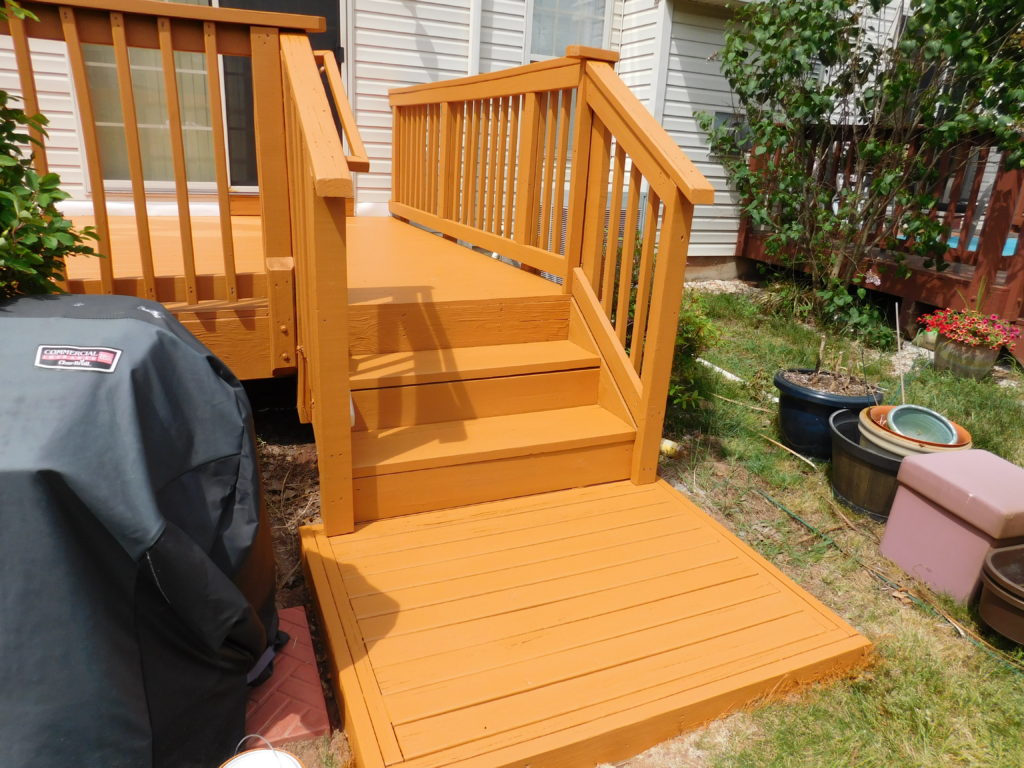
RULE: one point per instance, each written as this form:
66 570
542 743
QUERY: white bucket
263 758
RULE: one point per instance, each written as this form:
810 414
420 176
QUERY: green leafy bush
695 335
829 92
35 238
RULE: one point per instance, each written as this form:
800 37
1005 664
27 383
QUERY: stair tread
461 363
403 449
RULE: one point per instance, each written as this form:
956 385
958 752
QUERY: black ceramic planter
804 414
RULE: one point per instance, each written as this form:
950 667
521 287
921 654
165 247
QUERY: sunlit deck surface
576 627
392 262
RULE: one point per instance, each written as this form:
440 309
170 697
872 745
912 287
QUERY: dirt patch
833 383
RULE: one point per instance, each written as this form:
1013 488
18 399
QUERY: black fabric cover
137 583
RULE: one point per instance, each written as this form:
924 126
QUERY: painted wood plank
450 401
361 723
399 327
461 363
404 449
405 493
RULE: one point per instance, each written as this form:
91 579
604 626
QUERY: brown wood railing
304 179
558 166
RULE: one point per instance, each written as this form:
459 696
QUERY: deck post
582 127
670 271
272 170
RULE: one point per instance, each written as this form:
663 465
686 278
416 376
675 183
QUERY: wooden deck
572 627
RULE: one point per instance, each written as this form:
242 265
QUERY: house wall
56 101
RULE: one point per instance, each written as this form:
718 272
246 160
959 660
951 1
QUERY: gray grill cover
137 587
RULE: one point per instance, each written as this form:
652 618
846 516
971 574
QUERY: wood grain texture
571 627
476 398
407 493
380 328
428 446
461 363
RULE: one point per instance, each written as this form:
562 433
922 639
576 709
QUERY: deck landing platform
567 628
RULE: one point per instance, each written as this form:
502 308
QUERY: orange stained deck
571 627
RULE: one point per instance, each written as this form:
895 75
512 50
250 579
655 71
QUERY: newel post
659 348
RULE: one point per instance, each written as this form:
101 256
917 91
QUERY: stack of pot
867 449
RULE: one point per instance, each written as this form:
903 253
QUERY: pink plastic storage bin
949 511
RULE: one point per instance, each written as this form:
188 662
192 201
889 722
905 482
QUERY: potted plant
809 396
968 341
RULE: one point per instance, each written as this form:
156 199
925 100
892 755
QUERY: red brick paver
290 705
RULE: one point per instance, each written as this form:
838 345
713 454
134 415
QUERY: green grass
932 697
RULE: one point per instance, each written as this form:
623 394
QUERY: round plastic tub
863 476
1002 592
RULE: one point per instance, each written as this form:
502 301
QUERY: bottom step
405 493
557 631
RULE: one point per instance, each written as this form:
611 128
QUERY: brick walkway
290 705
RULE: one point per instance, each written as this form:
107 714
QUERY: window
560 23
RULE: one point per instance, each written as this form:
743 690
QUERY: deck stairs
488 400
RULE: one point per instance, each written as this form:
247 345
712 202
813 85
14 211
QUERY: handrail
357 158
503 146
330 169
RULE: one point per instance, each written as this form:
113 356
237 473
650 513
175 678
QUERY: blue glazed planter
804 415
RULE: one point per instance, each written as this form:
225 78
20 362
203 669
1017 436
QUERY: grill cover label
68 358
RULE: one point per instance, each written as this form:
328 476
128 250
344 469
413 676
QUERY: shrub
695 334
35 238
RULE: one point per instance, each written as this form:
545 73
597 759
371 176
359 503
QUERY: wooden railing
558 166
305 185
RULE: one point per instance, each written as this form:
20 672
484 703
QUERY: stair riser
478 398
380 328
406 493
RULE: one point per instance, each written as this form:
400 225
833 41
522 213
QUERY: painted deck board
563 629
401 264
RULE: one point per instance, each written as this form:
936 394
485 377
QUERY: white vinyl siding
396 43
638 47
56 101
695 84
502 34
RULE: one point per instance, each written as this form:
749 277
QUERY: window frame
529 56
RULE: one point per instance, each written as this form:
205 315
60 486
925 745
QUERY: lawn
934 696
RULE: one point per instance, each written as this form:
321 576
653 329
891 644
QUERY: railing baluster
547 191
134 150
527 176
92 145
481 193
470 169
629 235
178 156
643 286
435 150
27 78
220 161
492 167
597 199
561 164
459 177
614 222
498 191
513 162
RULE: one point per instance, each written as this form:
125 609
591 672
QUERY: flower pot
804 415
875 432
863 476
1002 592
964 360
